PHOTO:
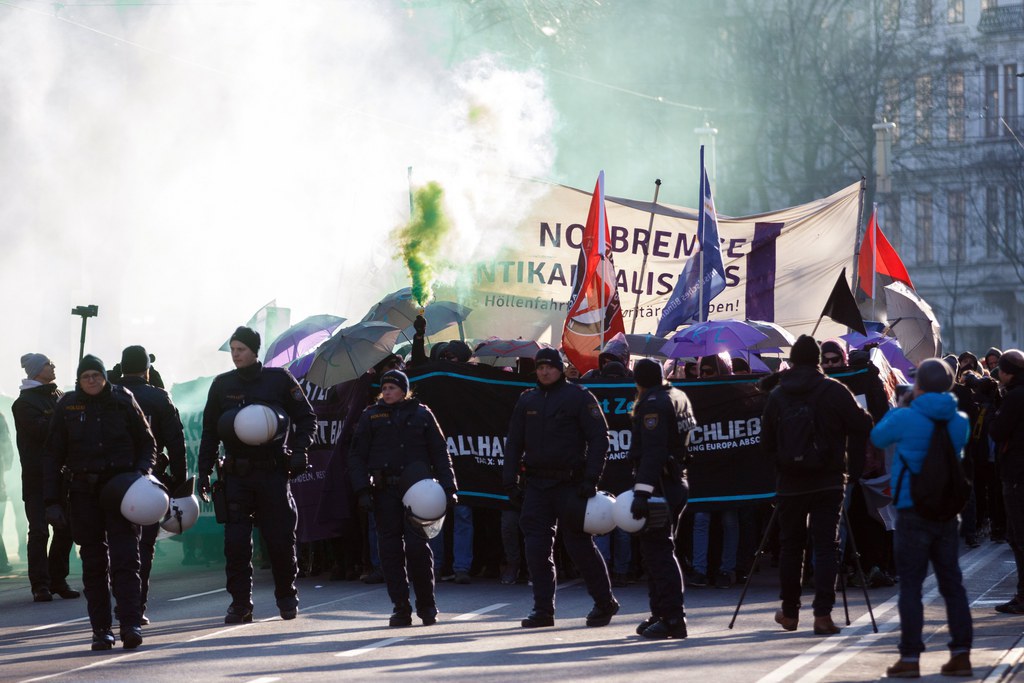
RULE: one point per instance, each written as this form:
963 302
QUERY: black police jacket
839 420
389 437
103 434
32 411
556 429
164 422
662 420
1007 430
255 384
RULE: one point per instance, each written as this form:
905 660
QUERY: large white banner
779 266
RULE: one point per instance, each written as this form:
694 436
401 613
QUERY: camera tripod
840 574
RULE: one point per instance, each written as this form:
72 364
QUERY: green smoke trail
420 240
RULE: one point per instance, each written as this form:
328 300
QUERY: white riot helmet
182 515
594 515
140 499
257 424
424 500
624 519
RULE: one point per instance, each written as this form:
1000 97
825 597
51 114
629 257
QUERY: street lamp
90 311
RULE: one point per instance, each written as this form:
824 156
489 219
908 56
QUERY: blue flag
687 299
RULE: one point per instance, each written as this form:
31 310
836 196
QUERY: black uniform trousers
264 496
109 547
824 509
46 569
664 577
147 548
542 508
404 553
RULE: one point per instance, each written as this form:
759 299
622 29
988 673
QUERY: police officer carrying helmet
98 431
662 420
255 478
165 424
557 443
396 437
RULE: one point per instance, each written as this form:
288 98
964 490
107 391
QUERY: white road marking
483 610
198 595
1005 663
59 623
372 646
854 641
265 679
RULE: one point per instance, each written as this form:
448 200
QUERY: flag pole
601 247
700 240
874 255
643 264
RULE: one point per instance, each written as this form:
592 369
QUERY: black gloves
587 489
203 486
55 516
420 324
641 507
365 501
453 499
298 463
515 496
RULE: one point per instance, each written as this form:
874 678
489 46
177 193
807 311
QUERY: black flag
842 307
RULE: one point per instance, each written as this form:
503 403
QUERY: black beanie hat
550 356
647 373
91 362
1011 362
934 376
396 377
805 351
249 337
134 359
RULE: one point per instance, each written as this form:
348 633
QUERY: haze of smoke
420 240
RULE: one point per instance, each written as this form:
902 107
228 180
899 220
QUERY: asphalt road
342 633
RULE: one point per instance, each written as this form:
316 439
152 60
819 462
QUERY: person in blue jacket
919 540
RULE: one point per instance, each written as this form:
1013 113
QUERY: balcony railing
1003 19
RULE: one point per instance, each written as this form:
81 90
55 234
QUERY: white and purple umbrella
713 336
300 339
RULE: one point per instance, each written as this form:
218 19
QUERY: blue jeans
917 542
462 539
730 540
616 548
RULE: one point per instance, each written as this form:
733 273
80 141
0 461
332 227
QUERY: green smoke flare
420 240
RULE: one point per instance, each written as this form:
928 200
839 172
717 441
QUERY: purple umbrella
713 336
508 348
299 339
889 347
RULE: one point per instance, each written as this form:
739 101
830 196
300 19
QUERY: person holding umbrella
396 437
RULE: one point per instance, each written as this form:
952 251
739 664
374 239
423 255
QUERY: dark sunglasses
831 359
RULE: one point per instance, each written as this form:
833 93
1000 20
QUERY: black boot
427 613
602 614
238 614
666 628
537 619
288 607
401 615
645 623
102 639
131 637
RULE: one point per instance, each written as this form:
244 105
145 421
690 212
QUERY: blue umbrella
299 339
713 336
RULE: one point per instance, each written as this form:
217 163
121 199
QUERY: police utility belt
555 473
242 466
89 481
386 478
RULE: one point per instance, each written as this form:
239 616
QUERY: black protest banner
473 405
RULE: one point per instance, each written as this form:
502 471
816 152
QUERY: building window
891 221
1011 214
891 105
891 15
955 107
925 253
923 109
989 4
1010 97
924 13
991 101
992 236
957 226
955 12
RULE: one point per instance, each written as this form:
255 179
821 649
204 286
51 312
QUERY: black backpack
941 489
802 447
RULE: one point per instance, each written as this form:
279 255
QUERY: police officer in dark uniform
255 479
662 420
97 432
165 424
392 435
557 442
